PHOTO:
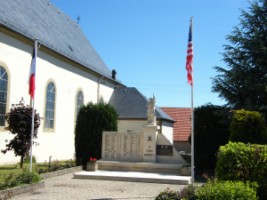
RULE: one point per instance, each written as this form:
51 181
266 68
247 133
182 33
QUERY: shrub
243 162
92 120
211 125
25 177
167 195
227 191
188 193
248 127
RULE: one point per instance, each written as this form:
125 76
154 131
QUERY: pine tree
243 84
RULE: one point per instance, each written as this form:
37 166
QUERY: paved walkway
66 188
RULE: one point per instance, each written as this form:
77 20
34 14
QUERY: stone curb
60 172
6 194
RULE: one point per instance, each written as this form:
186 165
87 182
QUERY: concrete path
66 188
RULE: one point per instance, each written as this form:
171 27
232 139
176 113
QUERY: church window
50 106
3 94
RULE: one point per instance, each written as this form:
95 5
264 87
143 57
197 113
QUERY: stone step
133 176
167 168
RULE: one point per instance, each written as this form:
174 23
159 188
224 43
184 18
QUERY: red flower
92 159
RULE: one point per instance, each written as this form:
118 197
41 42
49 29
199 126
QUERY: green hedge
243 162
248 127
227 190
92 120
211 127
213 190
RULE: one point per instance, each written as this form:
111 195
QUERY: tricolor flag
32 74
189 57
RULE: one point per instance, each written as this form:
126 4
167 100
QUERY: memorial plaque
164 150
121 146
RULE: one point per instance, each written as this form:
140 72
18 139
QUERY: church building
69 74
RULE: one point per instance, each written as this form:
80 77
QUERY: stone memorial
148 147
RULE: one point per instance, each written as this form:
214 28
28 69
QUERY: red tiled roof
182 125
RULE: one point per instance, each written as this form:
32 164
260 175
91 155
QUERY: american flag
189 57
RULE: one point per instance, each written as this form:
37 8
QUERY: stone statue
151 113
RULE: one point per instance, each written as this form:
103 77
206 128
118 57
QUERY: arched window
3 94
79 102
50 106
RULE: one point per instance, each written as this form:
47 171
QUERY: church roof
39 19
131 104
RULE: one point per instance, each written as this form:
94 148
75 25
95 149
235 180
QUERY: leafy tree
19 121
92 120
243 82
248 127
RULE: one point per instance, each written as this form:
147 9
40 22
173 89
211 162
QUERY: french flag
32 73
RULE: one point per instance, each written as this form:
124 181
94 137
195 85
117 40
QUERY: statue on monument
151 113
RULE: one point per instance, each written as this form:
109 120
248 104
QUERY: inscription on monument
164 150
121 146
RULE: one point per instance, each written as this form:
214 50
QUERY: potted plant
91 164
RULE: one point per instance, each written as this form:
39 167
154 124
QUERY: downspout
98 89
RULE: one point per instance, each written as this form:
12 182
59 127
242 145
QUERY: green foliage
243 162
54 166
226 191
13 180
92 120
167 195
211 131
188 193
242 83
248 127
19 121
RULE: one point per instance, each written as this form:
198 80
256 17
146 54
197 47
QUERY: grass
6 170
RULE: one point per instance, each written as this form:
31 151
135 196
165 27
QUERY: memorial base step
145 177
140 167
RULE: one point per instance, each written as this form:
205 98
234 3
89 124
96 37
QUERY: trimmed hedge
227 190
248 127
211 127
92 120
243 162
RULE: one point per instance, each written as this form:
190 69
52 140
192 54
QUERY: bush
248 127
211 124
15 180
167 195
227 191
92 120
243 162
187 193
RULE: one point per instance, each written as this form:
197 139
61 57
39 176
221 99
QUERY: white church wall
68 80
167 130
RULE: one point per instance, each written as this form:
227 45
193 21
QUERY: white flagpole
192 115
32 104
192 135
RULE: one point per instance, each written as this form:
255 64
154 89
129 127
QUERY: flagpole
192 116
192 136
32 105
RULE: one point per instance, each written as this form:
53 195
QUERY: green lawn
6 170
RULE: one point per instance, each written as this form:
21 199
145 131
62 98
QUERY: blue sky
145 41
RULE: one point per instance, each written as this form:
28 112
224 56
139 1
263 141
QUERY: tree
243 83
92 120
19 121
248 127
